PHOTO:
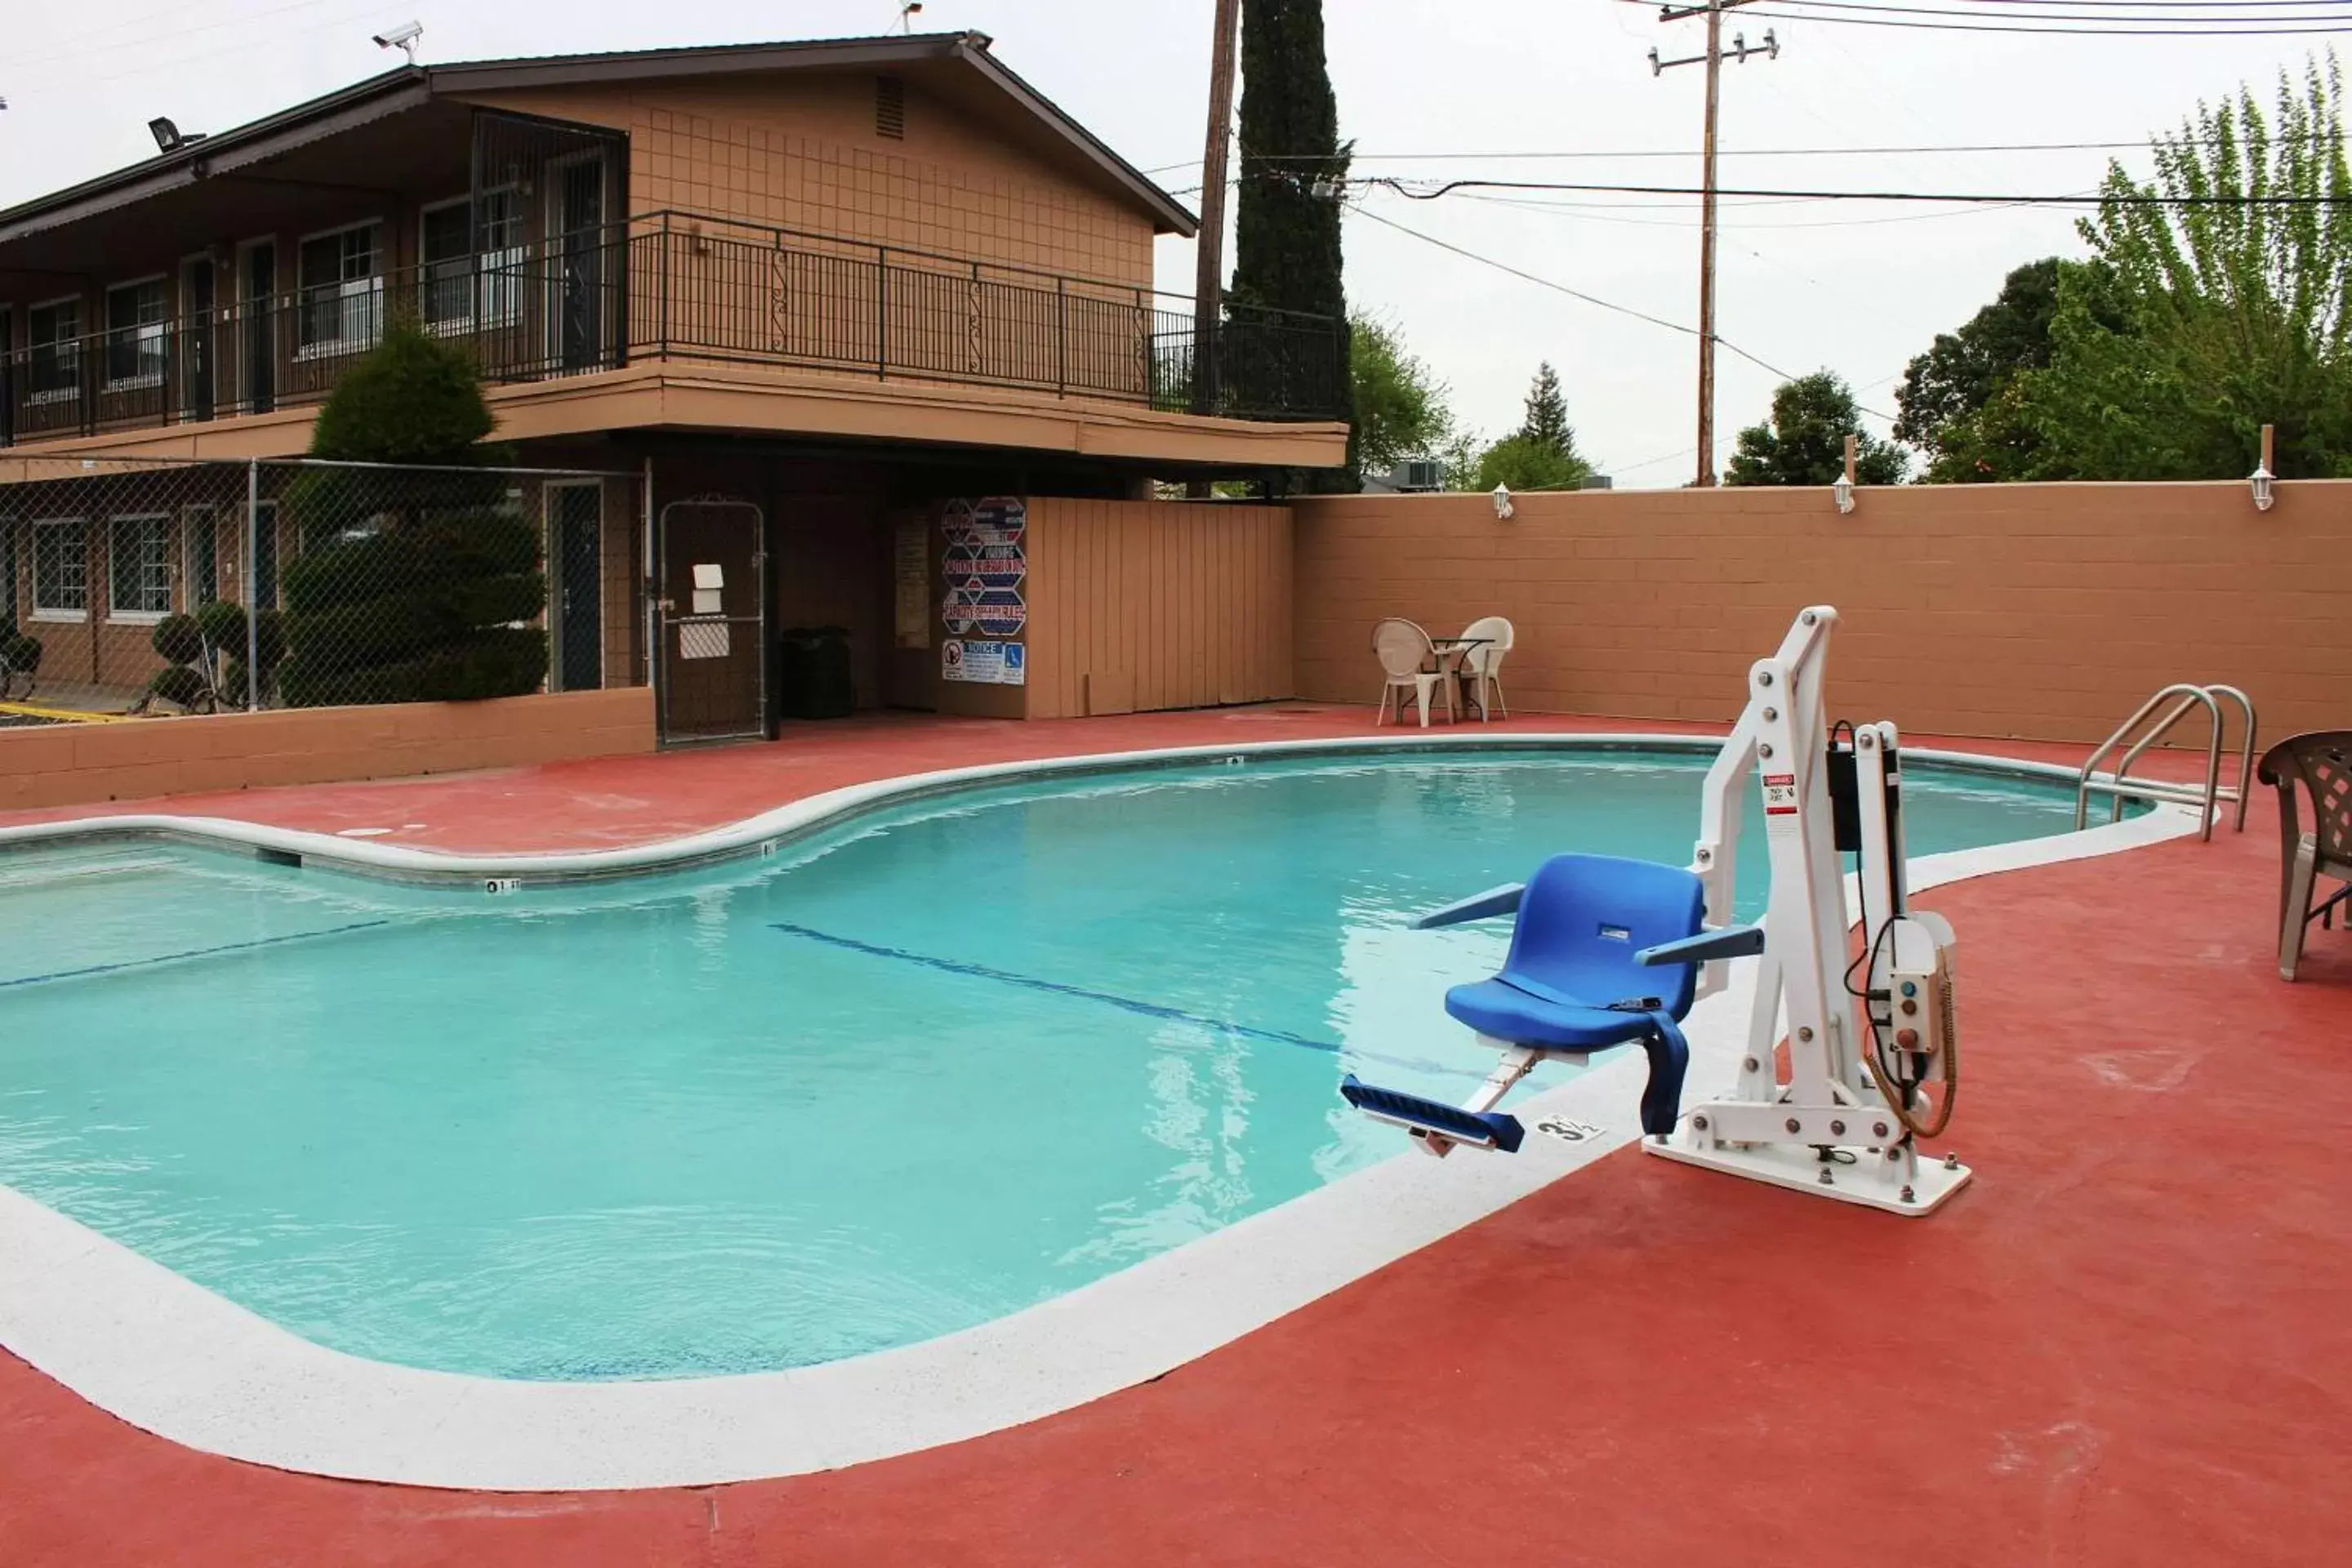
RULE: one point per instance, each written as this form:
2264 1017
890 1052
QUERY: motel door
712 610
575 551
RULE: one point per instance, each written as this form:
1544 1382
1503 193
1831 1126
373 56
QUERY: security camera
403 37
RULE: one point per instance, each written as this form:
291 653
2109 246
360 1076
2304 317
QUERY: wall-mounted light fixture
1502 499
1844 488
2265 483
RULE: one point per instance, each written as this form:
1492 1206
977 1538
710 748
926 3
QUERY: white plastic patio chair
1409 662
1482 665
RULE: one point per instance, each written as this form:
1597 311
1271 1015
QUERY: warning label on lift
1779 795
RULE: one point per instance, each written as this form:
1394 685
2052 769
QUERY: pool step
1434 1118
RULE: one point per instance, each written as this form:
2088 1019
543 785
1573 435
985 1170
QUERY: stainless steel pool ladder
2210 796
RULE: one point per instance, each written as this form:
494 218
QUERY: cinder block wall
2046 612
74 765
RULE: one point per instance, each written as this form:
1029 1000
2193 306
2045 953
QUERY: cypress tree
1287 238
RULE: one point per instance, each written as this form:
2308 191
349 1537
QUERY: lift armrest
1477 907
1731 941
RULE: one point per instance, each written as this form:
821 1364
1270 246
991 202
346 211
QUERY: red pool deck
2128 1342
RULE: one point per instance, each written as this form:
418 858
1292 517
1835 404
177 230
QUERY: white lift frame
1828 1129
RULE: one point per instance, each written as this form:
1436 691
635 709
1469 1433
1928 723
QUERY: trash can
813 677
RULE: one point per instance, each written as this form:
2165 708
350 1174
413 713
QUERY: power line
2053 15
2105 32
2062 11
1964 197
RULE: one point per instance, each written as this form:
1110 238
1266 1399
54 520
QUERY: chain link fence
154 587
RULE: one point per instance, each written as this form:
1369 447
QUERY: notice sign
911 579
984 569
1779 795
984 662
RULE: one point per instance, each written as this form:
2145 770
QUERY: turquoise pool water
920 1071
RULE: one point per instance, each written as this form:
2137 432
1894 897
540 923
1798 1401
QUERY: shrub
180 639
411 587
185 685
20 659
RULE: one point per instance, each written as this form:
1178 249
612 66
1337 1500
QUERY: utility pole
1209 280
1713 59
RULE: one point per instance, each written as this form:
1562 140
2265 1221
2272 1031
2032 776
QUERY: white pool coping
167 1355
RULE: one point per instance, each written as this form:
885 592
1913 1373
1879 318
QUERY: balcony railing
674 286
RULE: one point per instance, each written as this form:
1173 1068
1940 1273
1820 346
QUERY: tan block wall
138 759
802 153
2046 612
1136 607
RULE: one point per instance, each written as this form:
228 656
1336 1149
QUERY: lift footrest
1480 1129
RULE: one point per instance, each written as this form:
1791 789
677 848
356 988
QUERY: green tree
1526 462
1400 405
1804 441
1540 455
1955 399
2199 324
1286 253
1547 413
412 586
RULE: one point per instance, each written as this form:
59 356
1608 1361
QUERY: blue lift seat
1592 933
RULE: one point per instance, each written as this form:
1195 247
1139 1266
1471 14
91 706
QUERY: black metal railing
679 285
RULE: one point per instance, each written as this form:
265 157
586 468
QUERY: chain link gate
711 614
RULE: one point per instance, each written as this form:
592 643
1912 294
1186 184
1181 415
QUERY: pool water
913 1073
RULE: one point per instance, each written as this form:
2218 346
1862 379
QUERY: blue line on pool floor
1128 1004
192 953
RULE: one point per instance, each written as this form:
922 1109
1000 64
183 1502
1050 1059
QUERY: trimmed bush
179 639
183 685
412 586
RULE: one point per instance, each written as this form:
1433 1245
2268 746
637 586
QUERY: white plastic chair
1481 665
1408 661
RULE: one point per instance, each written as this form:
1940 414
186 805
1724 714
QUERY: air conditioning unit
1418 474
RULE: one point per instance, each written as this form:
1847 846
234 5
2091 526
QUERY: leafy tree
1804 441
1955 398
2198 324
1286 253
1526 462
1400 408
410 587
1540 455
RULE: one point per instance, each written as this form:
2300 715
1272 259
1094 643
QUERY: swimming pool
917 1071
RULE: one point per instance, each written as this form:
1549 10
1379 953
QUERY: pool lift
1595 938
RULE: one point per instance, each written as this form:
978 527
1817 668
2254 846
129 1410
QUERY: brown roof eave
391 94
409 87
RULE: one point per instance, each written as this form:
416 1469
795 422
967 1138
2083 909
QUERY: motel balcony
672 288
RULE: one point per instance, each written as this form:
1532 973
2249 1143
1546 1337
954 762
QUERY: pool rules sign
984 562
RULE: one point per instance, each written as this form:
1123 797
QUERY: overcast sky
1857 287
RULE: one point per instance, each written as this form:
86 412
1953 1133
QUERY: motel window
203 542
452 282
60 569
139 568
342 292
56 358
134 333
